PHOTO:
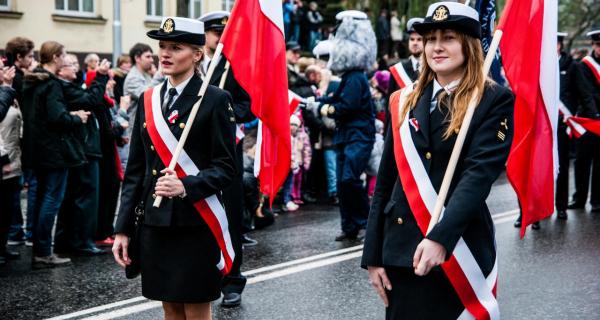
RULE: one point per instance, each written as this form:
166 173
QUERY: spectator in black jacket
382 32
49 146
77 219
19 51
9 158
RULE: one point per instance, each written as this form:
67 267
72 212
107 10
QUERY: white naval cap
409 24
595 35
354 14
179 29
215 20
323 48
450 15
561 35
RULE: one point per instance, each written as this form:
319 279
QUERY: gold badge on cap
440 14
168 26
224 21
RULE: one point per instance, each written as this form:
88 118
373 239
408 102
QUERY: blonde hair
472 81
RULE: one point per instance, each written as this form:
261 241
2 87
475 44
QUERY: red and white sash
593 65
477 292
573 128
210 208
400 75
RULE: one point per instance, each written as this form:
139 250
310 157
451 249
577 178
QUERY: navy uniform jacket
240 98
210 145
392 232
568 82
589 91
352 109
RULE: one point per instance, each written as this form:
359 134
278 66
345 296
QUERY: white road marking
286 268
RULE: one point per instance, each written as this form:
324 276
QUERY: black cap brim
177 36
461 24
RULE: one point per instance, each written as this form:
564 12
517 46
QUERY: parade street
297 271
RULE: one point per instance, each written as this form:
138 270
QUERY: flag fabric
528 49
253 42
294 101
487 18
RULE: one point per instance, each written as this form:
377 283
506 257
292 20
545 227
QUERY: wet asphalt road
554 273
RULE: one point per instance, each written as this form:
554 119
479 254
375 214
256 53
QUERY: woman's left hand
169 185
428 255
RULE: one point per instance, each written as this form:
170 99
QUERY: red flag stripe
254 44
531 24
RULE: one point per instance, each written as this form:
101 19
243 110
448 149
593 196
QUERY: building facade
85 26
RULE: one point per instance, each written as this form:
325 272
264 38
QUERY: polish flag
254 44
530 61
294 100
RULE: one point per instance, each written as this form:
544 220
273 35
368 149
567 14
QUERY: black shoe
346 236
576 205
561 214
10 255
518 223
334 200
535 226
308 198
596 208
231 300
248 242
90 251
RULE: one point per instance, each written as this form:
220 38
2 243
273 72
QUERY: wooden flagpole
190 120
462 134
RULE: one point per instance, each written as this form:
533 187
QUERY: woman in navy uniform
179 254
403 264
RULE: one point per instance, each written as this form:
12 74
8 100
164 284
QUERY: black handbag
134 268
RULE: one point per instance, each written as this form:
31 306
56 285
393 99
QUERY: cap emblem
440 14
224 21
168 26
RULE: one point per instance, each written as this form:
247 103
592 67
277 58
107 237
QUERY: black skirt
428 297
179 264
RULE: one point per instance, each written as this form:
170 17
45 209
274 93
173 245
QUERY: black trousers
8 188
109 196
587 163
233 197
562 181
415 297
78 215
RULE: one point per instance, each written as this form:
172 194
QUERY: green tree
576 17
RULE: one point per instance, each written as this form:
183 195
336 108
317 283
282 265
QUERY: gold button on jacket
400 221
428 155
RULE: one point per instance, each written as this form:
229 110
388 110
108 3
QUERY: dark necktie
167 105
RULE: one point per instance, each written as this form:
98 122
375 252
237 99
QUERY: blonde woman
177 249
417 276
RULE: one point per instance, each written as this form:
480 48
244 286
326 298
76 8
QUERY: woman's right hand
379 280
119 250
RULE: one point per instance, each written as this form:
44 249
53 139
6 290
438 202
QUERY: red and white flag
528 49
294 101
254 44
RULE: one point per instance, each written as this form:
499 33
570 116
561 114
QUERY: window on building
77 7
4 4
195 8
154 8
227 4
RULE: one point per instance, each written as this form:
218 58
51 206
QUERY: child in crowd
375 158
